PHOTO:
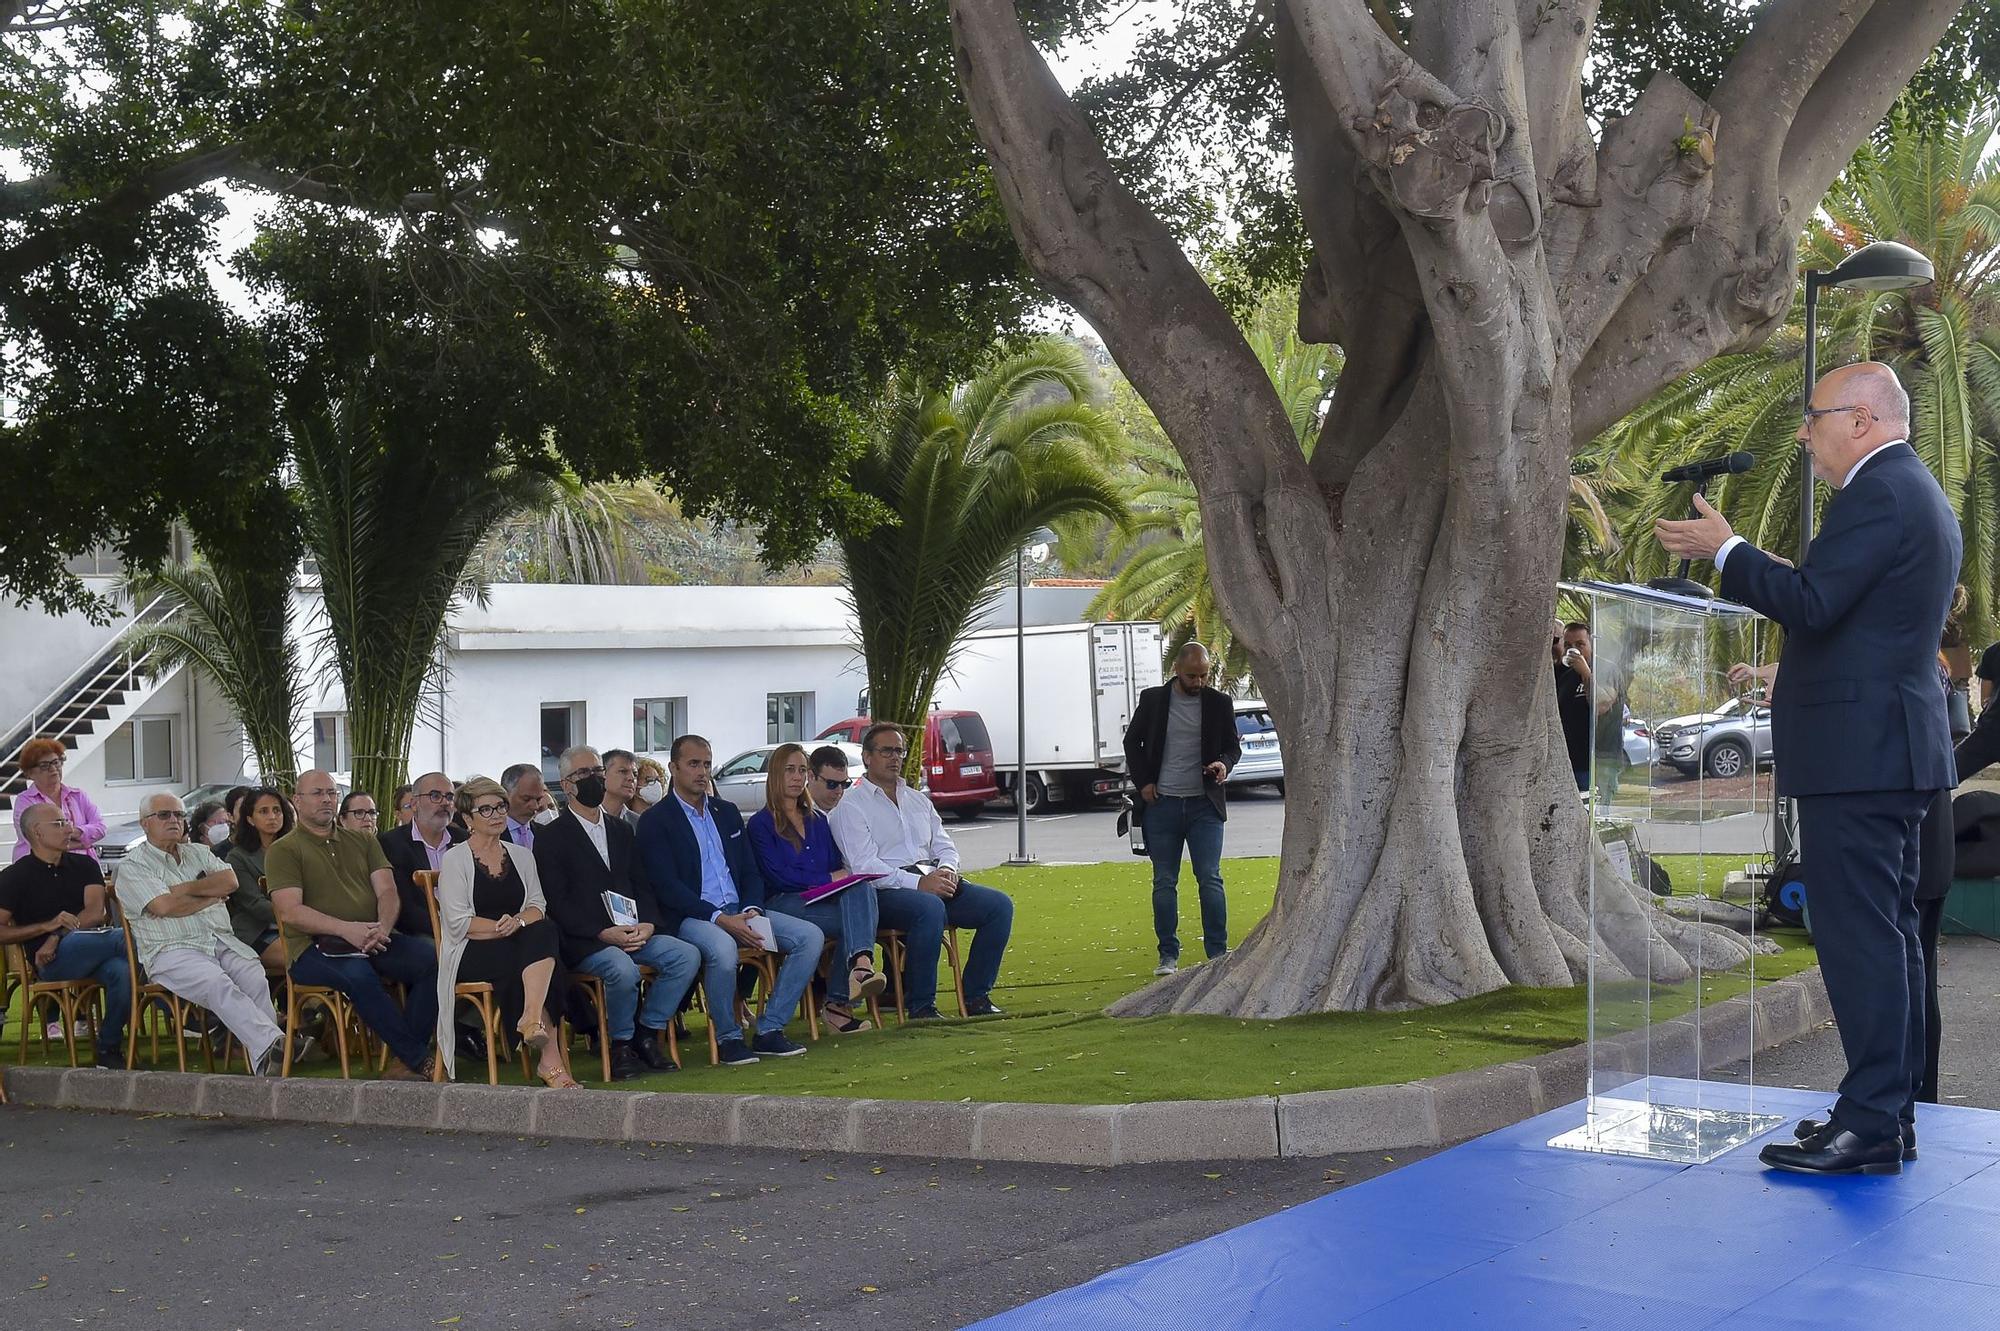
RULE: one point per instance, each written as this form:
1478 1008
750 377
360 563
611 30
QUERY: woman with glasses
493 927
795 849
404 802
265 816
358 812
652 786
42 759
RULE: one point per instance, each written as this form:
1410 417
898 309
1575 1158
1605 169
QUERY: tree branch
1260 14
49 243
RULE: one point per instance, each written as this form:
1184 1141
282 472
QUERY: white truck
1083 680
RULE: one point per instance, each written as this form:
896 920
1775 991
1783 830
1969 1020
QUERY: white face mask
218 833
652 792
546 816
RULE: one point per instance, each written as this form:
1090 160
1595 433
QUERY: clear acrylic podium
1654 1027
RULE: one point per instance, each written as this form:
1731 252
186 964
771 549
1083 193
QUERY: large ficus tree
1505 283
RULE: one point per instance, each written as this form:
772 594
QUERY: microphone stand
1681 584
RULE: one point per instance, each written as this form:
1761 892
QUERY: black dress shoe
1839 1153
625 1063
1808 1128
982 1007
646 1044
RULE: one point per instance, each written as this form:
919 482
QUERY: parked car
741 779
957 763
1640 750
1724 743
1262 763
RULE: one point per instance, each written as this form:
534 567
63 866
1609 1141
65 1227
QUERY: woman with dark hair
41 760
208 825
404 804
359 814
266 816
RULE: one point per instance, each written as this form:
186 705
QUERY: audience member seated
621 785
173 893
333 890
432 831
266 816
885 826
493 928
584 855
404 802
528 803
209 826
652 787
918 916
699 863
359 814
795 851
52 904
42 761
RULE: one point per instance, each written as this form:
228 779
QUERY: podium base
1682 1134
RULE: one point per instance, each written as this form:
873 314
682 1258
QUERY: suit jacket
671 854
1858 706
405 858
575 879
1146 738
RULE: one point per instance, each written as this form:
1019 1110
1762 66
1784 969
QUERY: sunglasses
836 785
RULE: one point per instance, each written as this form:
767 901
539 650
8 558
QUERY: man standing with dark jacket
1861 740
1179 749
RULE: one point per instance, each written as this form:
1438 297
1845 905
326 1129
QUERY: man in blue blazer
709 889
1861 738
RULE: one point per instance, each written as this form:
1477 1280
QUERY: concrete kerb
1434 1112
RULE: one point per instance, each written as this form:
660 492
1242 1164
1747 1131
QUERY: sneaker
734 1053
401 1071
776 1045
268 1063
111 1058
1167 966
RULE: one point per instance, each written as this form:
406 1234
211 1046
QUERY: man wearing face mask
528 804
420 847
585 858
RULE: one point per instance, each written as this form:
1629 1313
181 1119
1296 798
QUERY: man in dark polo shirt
334 892
52 904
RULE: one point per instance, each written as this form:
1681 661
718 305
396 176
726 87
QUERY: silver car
741 779
1262 763
1727 742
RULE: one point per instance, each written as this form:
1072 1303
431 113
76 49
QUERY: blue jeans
676 963
988 912
799 941
99 957
920 917
1191 820
849 916
410 962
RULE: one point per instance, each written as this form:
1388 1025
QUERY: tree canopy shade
1506 280
722 222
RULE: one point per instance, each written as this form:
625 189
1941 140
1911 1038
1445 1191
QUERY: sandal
560 1080
864 983
534 1035
841 1021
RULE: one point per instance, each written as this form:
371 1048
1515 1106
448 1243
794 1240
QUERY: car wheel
1038 795
966 813
1725 759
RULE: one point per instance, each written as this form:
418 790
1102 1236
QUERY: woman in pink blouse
42 759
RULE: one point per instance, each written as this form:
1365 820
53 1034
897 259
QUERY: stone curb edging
1436 1111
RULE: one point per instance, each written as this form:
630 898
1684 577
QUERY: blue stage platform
1506 1232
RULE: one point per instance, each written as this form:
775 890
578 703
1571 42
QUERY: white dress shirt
594 829
879 835
1846 481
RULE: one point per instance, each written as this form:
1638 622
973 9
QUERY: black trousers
500 961
1862 855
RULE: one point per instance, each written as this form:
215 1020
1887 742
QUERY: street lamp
1040 539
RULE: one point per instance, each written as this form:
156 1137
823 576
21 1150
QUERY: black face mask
590 791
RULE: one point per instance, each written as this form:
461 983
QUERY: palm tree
230 624
1938 191
1165 577
965 477
394 527
587 533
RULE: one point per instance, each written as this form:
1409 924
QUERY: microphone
1700 471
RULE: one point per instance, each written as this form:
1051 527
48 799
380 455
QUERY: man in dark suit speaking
1861 739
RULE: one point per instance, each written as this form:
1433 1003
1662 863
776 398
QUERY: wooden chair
66 1000
766 966
895 956
152 999
485 1001
592 989
339 1015
957 967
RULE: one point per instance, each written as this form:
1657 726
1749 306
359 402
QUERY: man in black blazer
701 867
581 856
1861 740
1179 749
420 846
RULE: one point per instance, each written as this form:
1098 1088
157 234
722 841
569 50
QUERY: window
141 750
330 749
1254 723
963 734
788 717
562 726
657 722
746 764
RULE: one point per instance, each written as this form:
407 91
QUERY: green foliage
967 478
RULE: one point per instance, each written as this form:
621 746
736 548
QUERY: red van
958 759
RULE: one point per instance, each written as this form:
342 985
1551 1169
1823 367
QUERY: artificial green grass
1083 936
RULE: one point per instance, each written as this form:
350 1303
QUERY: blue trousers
988 912
677 964
1174 821
849 916
799 941
99 957
408 961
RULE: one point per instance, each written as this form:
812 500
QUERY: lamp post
1883 265
1038 538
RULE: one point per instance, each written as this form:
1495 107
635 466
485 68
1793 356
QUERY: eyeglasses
579 773
167 816
836 785
891 753
57 822
1810 412
365 815
488 810
48 765
435 796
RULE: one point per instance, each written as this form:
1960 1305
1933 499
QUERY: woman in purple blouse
42 759
795 849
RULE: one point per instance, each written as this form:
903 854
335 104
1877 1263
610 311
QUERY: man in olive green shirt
336 896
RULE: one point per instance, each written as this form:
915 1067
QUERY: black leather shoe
625 1063
1840 1153
646 1044
1808 1128
982 1007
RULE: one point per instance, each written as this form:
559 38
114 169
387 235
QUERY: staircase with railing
74 710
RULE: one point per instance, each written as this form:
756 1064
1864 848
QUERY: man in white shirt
885 826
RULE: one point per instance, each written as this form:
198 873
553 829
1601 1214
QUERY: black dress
500 961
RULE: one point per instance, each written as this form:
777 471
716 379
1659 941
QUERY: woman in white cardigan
493 926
